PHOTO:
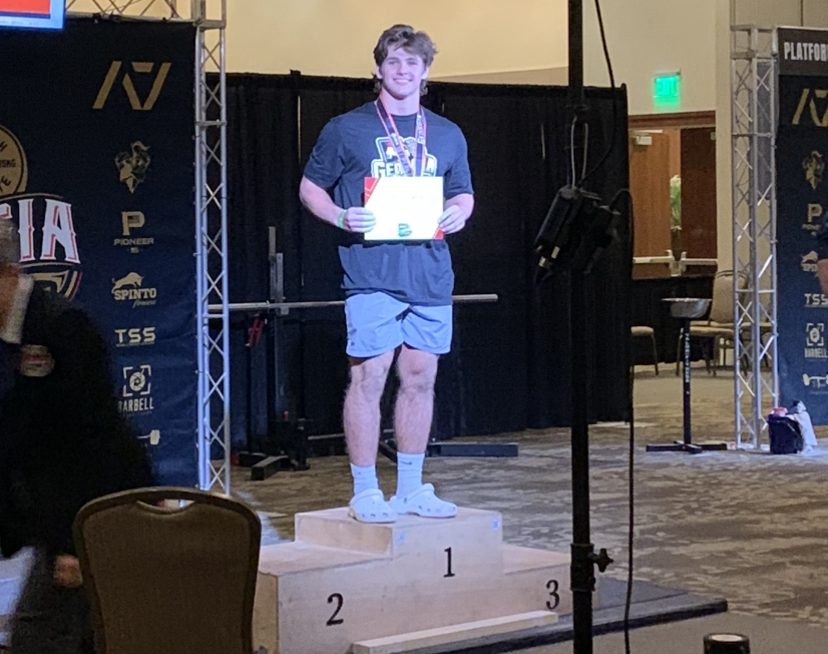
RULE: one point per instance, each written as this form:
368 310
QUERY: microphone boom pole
582 572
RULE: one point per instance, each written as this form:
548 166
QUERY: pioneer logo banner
96 173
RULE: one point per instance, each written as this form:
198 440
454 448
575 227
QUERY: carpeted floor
746 526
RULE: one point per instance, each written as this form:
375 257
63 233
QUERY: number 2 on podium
333 620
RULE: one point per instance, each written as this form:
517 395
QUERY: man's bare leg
361 411
413 412
361 421
414 406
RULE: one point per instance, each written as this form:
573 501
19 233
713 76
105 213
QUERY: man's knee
368 376
417 371
417 385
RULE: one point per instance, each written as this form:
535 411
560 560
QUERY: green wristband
340 219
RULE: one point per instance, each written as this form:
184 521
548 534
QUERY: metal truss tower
753 122
210 126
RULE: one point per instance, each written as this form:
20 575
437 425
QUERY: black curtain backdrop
509 365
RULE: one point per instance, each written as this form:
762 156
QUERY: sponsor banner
802 51
96 170
802 202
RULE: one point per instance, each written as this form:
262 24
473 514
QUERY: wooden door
650 189
698 192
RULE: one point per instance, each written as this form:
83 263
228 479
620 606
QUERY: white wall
815 13
485 40
771 13
336 37
647 37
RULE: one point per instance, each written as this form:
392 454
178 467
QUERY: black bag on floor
785 434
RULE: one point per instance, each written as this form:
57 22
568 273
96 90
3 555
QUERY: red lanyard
403 153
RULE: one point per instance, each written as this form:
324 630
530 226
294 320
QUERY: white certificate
406 208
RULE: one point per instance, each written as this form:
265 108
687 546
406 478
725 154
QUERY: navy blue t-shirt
353 146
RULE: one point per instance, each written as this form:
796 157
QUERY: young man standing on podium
398 291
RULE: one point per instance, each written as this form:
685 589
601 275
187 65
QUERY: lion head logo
132 166
814 167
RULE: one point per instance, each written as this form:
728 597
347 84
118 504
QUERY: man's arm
316 200
456 211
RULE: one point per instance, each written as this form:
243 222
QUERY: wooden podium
344 586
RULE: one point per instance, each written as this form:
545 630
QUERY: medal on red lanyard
403 153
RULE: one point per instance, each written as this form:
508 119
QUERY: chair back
163 579
721 307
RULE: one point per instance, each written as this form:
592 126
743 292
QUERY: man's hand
359 219
453 219
67 572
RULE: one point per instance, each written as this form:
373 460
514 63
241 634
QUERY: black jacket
62 440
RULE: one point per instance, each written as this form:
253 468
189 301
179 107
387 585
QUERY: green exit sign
667 91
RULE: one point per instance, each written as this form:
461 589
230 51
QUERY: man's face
401 73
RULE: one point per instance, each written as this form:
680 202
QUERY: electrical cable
631 418
570 174
631 512
611 145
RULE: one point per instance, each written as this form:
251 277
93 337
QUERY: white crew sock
365 478
409 473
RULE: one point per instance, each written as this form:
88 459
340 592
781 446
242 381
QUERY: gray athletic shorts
378 323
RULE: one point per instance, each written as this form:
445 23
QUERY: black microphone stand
576 230
582 572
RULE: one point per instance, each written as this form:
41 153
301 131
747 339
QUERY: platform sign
802 202
39 14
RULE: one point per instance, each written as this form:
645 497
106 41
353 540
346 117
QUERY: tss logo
135 336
